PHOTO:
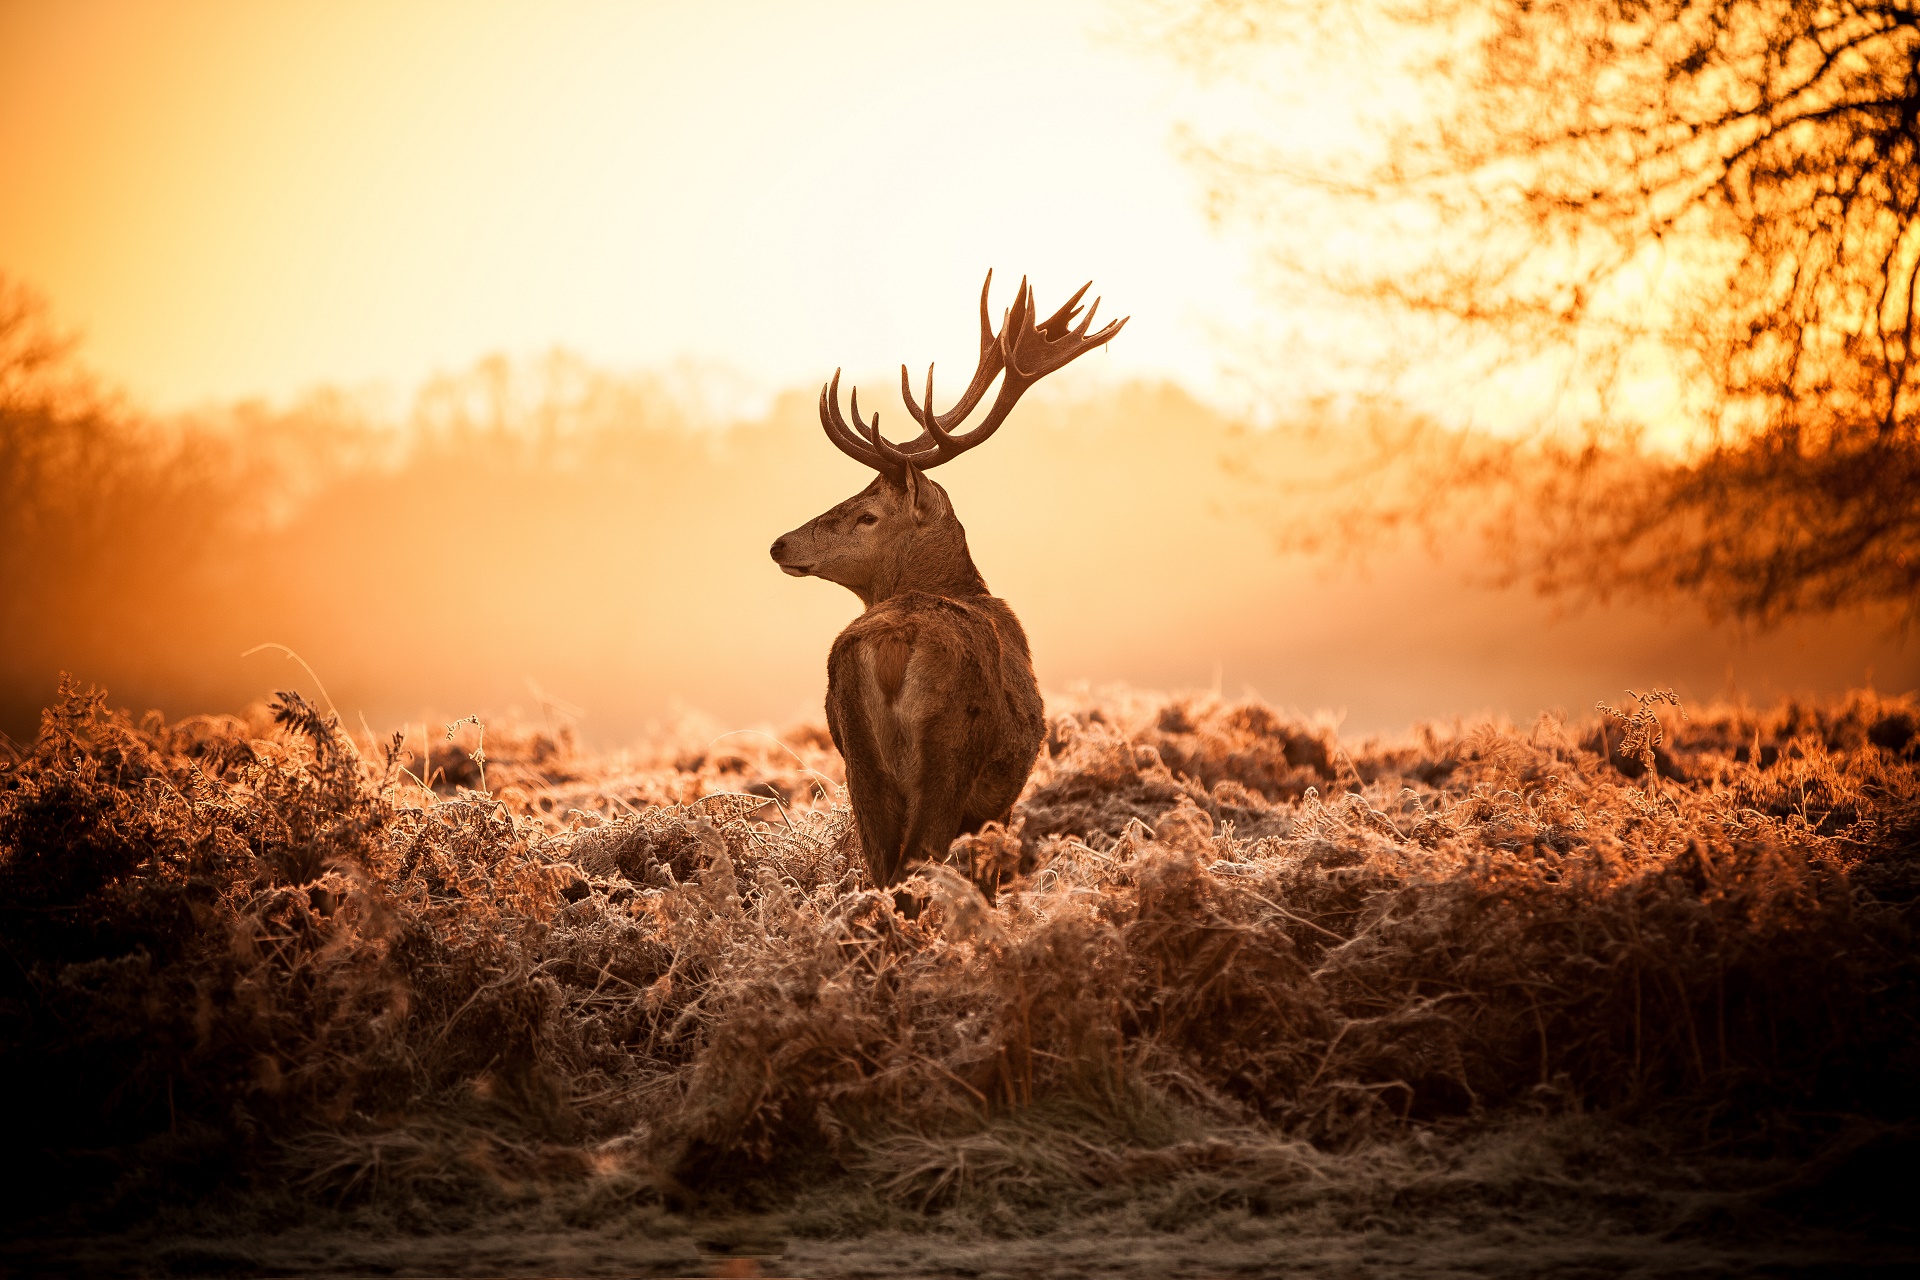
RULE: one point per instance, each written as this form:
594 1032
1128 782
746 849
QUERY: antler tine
914 410
992 361
1044 353
931 430
935 436
987 336
842 436
1030 352
1025 351
870 433
1011 335
883 446
1086 321
1057 324
830 419
930 421
933 424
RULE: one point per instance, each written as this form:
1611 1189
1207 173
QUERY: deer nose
779 547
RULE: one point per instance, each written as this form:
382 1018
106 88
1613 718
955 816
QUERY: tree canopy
1731 188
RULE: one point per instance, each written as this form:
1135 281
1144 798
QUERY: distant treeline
541 535
519 527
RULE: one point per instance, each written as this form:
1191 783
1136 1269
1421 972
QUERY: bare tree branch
1732 187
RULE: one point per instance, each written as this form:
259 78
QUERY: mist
549 541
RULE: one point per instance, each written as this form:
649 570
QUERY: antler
1026 352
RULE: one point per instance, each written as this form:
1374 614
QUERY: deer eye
868 518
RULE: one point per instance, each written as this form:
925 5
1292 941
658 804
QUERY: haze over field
600 554
233 202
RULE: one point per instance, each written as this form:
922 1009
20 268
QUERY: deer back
933 704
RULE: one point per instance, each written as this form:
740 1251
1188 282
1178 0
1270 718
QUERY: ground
1633 995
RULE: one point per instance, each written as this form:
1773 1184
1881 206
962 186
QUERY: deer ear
919 493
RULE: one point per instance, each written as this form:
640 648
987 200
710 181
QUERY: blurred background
470 352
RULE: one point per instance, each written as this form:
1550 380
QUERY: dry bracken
252 949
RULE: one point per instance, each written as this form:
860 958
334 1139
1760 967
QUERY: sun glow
236 200
675 214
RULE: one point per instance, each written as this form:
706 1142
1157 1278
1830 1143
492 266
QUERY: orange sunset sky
231 201
235 199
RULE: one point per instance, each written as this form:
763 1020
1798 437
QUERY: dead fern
1210 921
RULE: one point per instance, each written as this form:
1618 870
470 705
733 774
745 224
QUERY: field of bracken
1632 994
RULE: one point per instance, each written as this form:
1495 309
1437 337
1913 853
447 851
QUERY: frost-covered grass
1254 984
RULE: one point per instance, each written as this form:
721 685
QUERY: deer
931 696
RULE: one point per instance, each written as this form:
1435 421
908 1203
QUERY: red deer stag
931 697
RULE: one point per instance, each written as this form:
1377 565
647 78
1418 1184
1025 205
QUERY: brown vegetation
1720 199
1259 975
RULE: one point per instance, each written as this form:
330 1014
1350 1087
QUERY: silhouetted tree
104 518
1729 187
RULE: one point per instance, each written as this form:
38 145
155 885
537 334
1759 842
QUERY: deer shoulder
918 660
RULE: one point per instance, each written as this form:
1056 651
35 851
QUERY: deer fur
930 693
931 696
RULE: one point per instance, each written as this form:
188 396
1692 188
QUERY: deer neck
935 561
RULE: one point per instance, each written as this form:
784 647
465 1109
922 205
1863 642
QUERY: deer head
900 532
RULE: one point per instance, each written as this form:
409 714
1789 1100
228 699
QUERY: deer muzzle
782 552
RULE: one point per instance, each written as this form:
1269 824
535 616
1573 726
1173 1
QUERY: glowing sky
233 199
236 199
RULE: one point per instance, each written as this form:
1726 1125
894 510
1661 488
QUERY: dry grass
1259 976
